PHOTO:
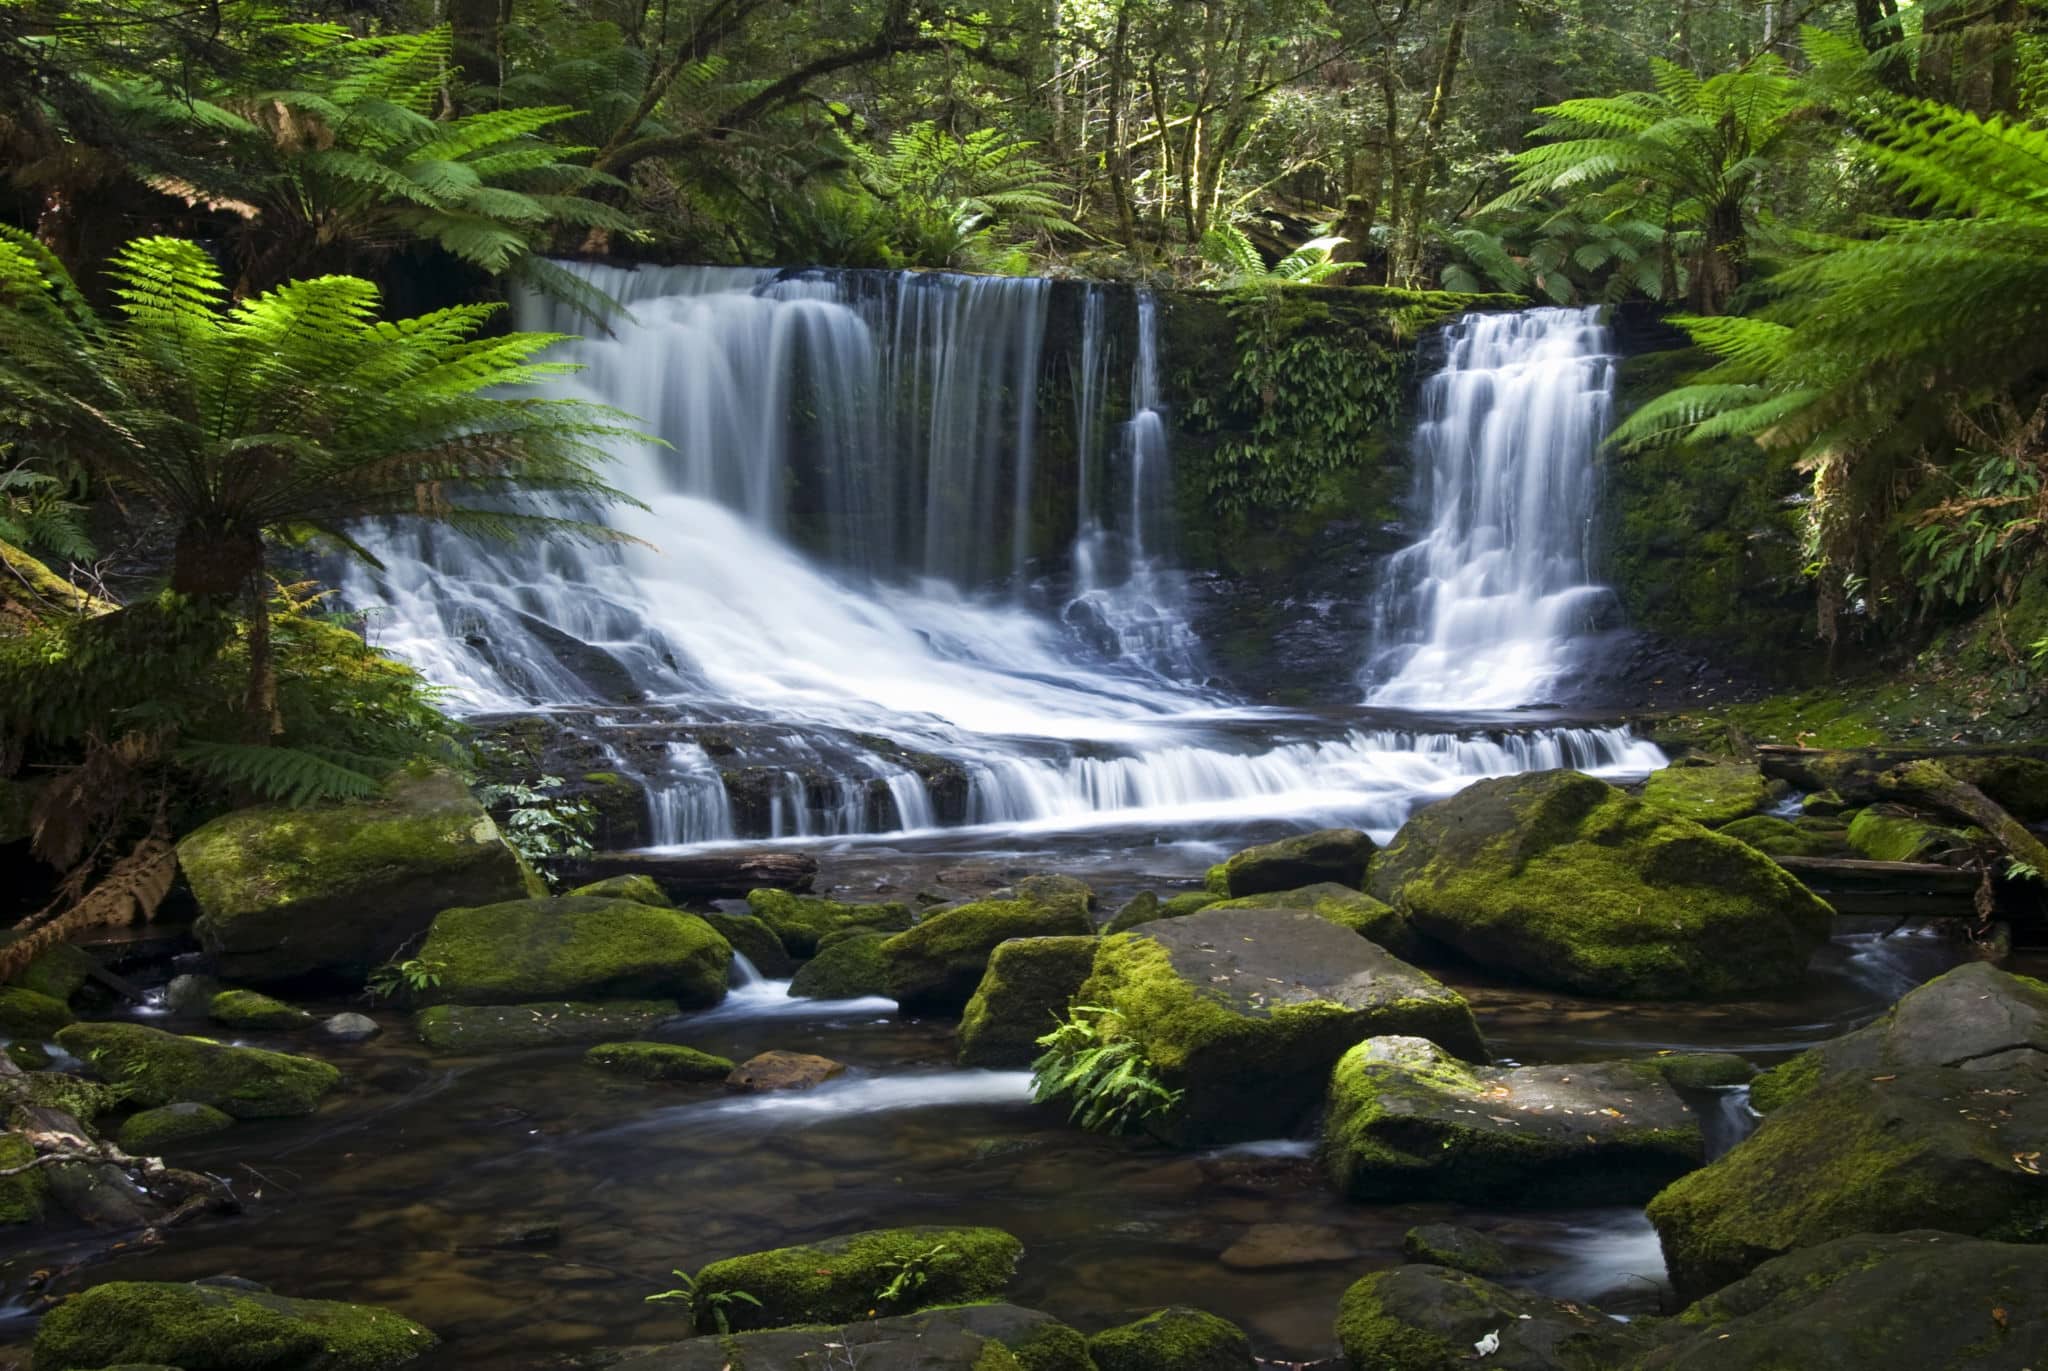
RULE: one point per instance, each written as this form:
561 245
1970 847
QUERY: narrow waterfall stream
835 567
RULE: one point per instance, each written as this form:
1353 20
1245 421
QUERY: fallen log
701 875
1930 786
2015 776
1888 889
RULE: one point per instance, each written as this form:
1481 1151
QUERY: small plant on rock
1111 1083
910 1275
540 825
717 1301
412 976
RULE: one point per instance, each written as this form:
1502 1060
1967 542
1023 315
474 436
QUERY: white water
849 1096
1484 612
890 423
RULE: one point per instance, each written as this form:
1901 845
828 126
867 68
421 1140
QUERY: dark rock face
1461 1249
969 1338
1431 1318
1338 855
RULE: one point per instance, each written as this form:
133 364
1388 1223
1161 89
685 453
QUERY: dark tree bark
479 27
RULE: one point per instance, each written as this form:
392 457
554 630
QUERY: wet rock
555 1023
334 890
248 1009
191 994
349 1028
1710 793
1246 1011
640 889
836 1280
1345 907
659 1061
1701 1070
29 1056
977 1337
1431 1318
1268 1245
782 1071
160 1068
1409 1121
844 969
59 971
148 1133
1024 993
1561 879
755 941
31 1015
1338 855
935 967
1145 907
801 920
22 1196
212 1328
1051 890
1461 1249
1935 1114
1176 1339
576 947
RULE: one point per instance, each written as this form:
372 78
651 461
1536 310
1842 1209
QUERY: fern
1106 1077
288 775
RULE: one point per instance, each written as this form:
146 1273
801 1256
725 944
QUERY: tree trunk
479 32
1432 135
1119 150
209 559
259 708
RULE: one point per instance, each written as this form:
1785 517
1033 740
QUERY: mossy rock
1561 879
967 1337
1711 795
1887 834
1776 837
2018 784
1461 1249
836 1280
148 1133
844 970
1052 889
249 1009
332 891
1431 1318
84 1100
1338 855
217 1328
1175 1339
756 941
550 1023
157 1068
59 971
1145 907
28 1014
846 935
22 1197
29 1056
658 1061
800 920
1701 1070
1353 909
640 889
1246 1011
936 966
1409 1121
574 948
1916 1299
1022 996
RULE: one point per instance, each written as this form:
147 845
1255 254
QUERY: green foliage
718 1302
411 977
1111 1086
911 1274
37 514
540 825
1235 262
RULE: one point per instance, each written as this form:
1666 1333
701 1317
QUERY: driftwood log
701 875
1929 785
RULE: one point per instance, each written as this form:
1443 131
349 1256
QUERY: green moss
1051 1347
755 941
840 1279
1888 836
550 1023
212 1328
845 968
1785 1082
801 920
611 778
936 966
1026 990
637 888
163 1068
84 1100
1461 1249
658 1061
148 1133
247 1009
59 971
22 1196
1369 918
26 1014
1702 1070
995 1357
29 1056
1174 1339
1216 881
1374 1340
1781 838
1338 855
575 947
1709 795
1147 907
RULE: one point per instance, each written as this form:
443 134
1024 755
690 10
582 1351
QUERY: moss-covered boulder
251 1009
22 1196
220 1328
148 1133
935 967
658 1061
552 1023
967 1337
756 941
28 1014
1918 1299
1884 833
640 889
1246 1011
1143 908
800 920
58 971
1775 837
577 947
1431 1318
332 891
1711 793
1461 1249
1701 1070
836 1280
1561 879
163 1068
1175 1339
1022 996
1341 905
1340 855
845 969
1409 1121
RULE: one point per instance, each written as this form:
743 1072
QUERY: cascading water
1485 612
827 627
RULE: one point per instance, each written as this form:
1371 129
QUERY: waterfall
1484 612
831 624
